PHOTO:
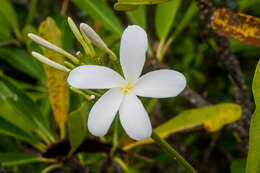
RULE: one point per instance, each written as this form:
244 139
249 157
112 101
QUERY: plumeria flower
123 92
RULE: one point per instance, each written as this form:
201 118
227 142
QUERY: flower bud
52 47
96 40
78 36
49 62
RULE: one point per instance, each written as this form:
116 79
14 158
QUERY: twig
214 141
51 168
8 43
231 64
194 98
64 7
190 95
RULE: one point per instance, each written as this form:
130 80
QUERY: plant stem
52 167
175 155
115 137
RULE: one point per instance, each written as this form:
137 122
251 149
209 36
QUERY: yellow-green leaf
253 159
56 80
127 5
164 17
212 118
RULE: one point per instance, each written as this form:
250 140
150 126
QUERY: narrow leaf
56 80
138 16
14 116
100 11
164 17
5 31
22 103
253 159
7 10
9 159
9 129
212 118
190 13
22 61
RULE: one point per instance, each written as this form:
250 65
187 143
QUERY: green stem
159 52
52 167
92 93
87 97
18 34
115 137
32 10
175 155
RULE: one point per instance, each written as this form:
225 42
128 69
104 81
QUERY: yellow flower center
126 87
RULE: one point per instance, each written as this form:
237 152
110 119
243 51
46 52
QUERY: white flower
123 93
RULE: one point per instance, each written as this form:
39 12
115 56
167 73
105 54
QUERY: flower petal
104 111
160 84
133 47
94 77
134 118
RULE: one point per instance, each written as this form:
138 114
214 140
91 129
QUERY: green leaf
7 144
212 118
253 159
9 129
5 31
77 126
190 13
238 166
12 115
164 17
9 159
27 107
100 11
138 16
126 5
66 34
20 59
26 30
7 10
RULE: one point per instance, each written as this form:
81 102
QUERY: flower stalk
175 155
87 97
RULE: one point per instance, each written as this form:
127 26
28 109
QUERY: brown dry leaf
56 80
243 27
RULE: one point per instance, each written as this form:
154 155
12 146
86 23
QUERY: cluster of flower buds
86 36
